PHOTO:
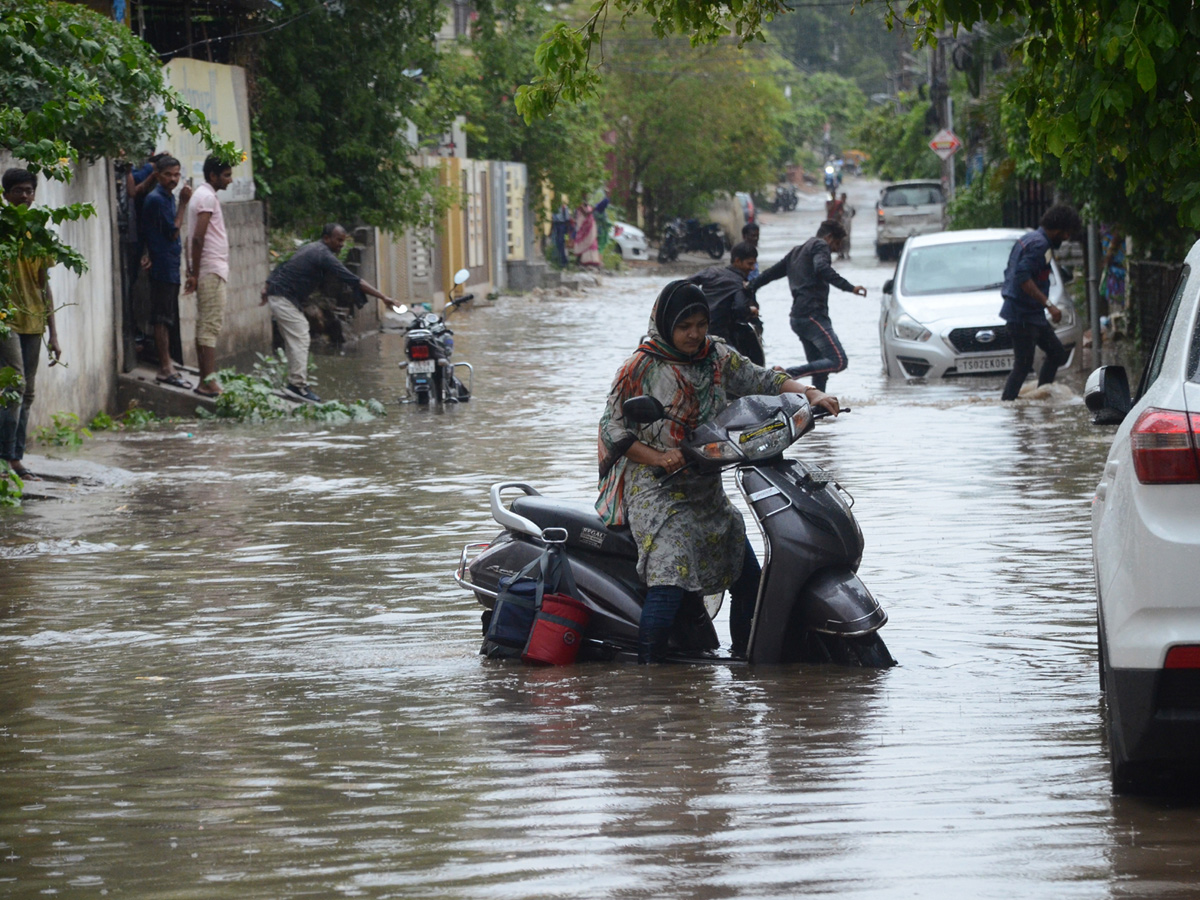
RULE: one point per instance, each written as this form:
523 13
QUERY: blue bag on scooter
515 609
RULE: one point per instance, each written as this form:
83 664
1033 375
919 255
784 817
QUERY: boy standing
208 268
35 313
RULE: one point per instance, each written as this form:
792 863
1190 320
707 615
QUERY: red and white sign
945 143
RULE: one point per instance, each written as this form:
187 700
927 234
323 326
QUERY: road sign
945 143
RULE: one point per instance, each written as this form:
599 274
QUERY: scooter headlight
766 441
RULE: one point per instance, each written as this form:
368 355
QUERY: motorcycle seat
585 529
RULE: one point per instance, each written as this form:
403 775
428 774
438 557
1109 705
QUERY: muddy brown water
242 669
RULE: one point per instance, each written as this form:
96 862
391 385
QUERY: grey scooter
811 605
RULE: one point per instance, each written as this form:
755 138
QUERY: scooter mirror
400 310
461 276
643 410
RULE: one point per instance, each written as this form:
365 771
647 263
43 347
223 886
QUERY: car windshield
951 268
912 195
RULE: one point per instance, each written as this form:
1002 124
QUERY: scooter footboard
834 601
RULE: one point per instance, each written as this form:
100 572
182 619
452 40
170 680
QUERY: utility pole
939 96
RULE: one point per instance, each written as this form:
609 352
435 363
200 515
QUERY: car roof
966 236
921 182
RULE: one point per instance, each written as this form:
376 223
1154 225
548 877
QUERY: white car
940 313
1146 552
630 240
905 209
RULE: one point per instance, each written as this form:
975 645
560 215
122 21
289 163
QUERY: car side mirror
643 410
1068 274
889 286
1107 396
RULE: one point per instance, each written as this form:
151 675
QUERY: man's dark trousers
1025 337
822 349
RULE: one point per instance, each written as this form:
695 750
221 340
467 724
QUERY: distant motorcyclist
731 308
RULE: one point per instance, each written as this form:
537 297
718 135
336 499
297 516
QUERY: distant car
940 313
630 240
749 212
905 209
1146 552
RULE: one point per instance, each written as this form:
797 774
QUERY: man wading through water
1026 301
809 273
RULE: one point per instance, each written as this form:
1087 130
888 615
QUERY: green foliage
567 57
12 384
850 42
897 142
255 398
979 204
816 99
333 94
564 151
1107 88
691 121
12 486
134 417
66 431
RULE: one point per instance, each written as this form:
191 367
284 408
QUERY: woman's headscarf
676 302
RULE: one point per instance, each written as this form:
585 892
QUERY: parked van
904 209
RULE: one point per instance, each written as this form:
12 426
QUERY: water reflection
243 669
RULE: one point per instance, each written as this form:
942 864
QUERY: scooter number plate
422 366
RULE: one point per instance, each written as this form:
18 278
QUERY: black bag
521 595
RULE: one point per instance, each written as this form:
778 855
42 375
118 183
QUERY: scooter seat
585 529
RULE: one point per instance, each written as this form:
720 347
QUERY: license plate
422 366
986 364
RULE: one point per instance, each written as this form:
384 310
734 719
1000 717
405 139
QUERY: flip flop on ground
173 379
210 394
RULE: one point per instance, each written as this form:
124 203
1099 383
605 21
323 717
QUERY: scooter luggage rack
460 574
470 376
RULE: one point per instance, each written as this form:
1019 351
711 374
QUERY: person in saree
586 247
689 536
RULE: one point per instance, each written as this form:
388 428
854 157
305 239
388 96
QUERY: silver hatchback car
940 313
905 209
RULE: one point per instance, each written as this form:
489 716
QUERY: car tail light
1184 657
1164 447
419 351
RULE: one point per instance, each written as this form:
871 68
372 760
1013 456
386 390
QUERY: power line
229 37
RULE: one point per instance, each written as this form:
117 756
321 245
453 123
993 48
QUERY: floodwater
241 668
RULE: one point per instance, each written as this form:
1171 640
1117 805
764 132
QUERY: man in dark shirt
1026 300
290 285
810 273
160 221
730 309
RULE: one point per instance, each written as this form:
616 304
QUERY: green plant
12 488
66 431
134 417
255 397
979 204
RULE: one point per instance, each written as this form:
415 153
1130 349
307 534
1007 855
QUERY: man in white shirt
208 268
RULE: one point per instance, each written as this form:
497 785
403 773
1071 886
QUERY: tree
897 139
1107 88
334 86
691 122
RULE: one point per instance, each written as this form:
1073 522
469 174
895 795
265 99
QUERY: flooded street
243 669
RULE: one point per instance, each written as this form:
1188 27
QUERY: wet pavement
236 664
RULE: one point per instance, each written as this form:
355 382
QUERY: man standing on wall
161 219
1027 302
290 285
208 268
34 314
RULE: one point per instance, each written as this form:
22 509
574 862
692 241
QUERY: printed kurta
688 533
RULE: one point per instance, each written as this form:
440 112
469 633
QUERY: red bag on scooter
557 631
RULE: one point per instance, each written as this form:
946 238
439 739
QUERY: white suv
1146 552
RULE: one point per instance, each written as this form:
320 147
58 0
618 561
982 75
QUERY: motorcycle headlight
766 441
909 329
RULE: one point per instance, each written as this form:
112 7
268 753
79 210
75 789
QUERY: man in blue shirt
1026 300
161 218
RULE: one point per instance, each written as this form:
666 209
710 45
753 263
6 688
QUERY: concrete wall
247 323
87 317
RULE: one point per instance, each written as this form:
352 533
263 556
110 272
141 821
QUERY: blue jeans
21 352
663 602
822 349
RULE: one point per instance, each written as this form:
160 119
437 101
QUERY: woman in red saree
586 246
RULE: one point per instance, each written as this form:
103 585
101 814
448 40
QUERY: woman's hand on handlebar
671 461
814 396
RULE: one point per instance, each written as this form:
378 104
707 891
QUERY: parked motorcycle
428 346
811 605
786 198
689 236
